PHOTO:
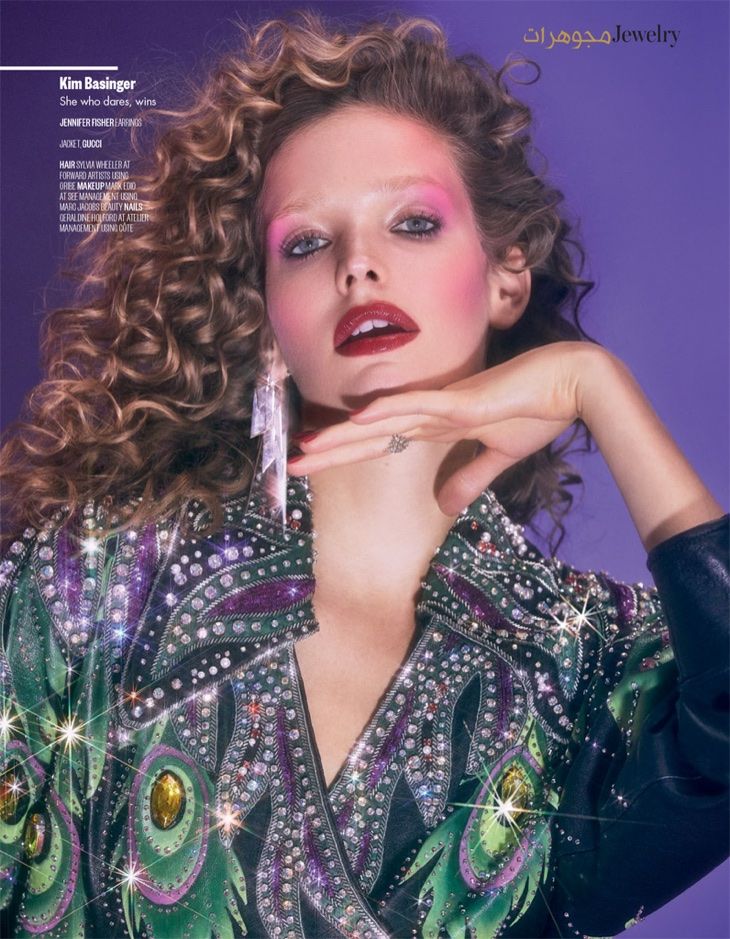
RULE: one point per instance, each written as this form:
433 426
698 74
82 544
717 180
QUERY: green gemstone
13 794
167 800
34 836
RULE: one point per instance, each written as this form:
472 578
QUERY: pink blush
275 233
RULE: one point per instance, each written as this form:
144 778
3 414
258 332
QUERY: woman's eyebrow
391 185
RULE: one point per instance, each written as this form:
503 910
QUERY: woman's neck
378 523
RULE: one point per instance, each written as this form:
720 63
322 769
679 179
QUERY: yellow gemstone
13 795
34 836
167 801
514 792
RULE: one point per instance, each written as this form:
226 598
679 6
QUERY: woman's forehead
371 151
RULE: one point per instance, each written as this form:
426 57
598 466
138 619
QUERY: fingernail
295 459
303 438
359 410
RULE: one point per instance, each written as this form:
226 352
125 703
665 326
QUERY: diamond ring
397 444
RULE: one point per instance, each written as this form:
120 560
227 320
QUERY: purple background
635 135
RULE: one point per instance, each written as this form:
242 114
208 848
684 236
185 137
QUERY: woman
209 727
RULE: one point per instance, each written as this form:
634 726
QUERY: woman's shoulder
69 543
158 595
536 588
60 573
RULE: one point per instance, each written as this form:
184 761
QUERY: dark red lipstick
372 328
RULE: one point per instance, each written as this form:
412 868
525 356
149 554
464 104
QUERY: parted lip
377 309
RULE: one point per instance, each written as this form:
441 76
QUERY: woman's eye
419 225
302 247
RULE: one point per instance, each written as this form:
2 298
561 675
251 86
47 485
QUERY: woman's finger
440 404
373 448
346 432
480 403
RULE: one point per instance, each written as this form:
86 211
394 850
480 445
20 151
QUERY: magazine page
628 108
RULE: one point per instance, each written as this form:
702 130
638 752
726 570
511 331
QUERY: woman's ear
509 292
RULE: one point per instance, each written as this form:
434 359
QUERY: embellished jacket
550 759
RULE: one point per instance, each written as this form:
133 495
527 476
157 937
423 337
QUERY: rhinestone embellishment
167 800
13 795
34 836
514 792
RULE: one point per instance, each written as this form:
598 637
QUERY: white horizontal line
59 68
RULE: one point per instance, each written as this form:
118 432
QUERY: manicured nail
295 459
303 438
359 410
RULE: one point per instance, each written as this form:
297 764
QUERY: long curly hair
149 373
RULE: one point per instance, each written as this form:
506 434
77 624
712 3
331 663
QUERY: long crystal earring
270 419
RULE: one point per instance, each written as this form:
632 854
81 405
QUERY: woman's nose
357 267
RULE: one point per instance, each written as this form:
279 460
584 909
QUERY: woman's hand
513 409
518 407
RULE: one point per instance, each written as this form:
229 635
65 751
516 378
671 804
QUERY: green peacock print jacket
549 760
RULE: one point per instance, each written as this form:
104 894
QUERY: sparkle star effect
132 874
15 787
7 724
132 695
69 733
507 810
576 620
90 546
228 818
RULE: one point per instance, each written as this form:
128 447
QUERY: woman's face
375 276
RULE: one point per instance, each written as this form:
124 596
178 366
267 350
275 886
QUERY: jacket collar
214 604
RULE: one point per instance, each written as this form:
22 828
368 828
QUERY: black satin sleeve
648 820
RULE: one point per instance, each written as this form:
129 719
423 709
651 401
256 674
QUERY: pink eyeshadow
435 195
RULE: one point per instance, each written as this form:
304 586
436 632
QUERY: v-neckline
442 554
303 491
362 738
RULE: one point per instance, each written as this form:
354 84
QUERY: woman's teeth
370 325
